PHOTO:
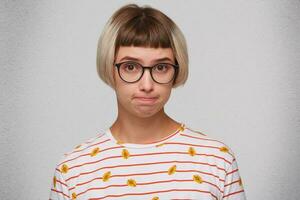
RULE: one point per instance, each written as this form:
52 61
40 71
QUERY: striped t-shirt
185 165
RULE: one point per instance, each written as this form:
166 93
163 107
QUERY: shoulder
208 146
82 152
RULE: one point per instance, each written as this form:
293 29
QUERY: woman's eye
161 67
130 66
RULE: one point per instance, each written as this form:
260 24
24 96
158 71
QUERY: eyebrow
156 60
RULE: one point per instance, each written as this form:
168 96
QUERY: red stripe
201 172
89 163
232 172
231 183
83 183
58 181
167 181
233 193
72 188
136 155
145 164
148 183
60 192
143 174
156 192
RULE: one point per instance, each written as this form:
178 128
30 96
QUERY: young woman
146 154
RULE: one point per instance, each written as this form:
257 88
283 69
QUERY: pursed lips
146 99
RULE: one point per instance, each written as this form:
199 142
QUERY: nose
146 83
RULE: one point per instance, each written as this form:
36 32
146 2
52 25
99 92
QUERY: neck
129 128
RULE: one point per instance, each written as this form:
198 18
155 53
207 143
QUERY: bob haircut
132 25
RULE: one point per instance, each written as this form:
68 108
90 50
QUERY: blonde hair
132 25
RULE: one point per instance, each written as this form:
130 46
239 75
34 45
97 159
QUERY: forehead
144 54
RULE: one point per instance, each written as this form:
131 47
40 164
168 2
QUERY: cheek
120 89
165 94
123 93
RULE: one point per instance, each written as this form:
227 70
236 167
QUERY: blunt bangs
144 31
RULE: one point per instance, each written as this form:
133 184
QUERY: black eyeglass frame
175 66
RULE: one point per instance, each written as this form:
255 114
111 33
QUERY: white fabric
185 165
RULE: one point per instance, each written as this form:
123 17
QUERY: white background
243 87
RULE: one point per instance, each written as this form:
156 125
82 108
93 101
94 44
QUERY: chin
145 115
146 112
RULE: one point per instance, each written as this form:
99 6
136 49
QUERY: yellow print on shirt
54 181
181 128
172 170
64 168
159 145
95 151
131 183
125 154
106 176
197 179
224 149
74 196
241 183
192 151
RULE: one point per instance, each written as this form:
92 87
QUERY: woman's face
145 97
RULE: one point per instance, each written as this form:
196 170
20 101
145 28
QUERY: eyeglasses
132 72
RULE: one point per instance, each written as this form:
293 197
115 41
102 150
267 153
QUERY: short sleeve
233 188
59 188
